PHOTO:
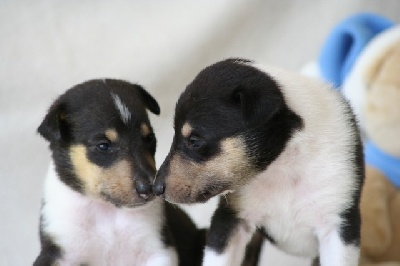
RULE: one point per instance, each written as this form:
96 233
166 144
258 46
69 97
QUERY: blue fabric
387 164
345 42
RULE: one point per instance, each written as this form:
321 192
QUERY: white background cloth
48 46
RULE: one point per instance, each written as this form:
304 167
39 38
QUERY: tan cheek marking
232 165
144 129
111 134
181 179
186 130
86 171
115 181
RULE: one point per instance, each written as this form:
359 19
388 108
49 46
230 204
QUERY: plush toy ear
346 42
54 125
148 100
258 105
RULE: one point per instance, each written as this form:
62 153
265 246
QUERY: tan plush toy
376 77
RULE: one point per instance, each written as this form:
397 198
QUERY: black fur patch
350 230
266 141
316 262
253 249
223 224
264 232
181 232
50 252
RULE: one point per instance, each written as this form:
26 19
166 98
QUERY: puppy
285 152
98 206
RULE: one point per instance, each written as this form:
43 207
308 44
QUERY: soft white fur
97 233
300 196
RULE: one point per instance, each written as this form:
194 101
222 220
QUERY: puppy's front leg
227 238
49 254
335 252
167 257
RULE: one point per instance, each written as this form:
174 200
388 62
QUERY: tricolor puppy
285 152
98 206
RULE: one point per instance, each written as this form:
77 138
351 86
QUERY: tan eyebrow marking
111 134
186 130
144 129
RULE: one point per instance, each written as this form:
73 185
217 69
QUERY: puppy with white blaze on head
285 152
98 206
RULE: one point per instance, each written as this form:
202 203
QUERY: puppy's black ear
148 100
258 105
54 125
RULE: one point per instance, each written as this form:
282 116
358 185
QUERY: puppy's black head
230 123
102 142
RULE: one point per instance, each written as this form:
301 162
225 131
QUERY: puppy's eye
104 146
195 142
149 138
237 96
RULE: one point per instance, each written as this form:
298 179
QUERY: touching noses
159 182
147 187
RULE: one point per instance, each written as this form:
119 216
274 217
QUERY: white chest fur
297 195
94 232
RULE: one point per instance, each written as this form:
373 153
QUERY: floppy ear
258 105
148 100
54 125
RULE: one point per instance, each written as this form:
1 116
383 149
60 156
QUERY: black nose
143 188
162 173
159 188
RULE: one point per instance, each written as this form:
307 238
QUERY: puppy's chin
128 203
199 197
137 205
207 195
